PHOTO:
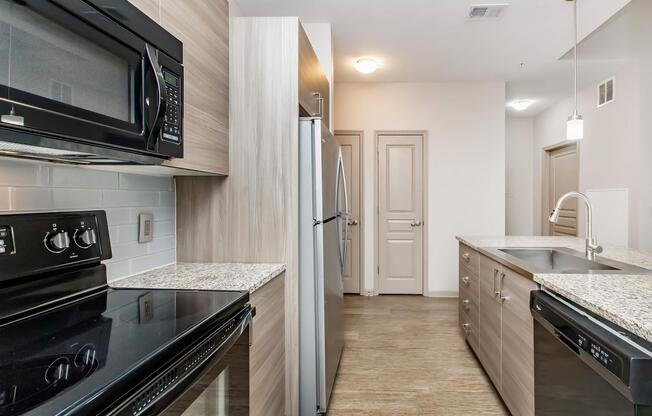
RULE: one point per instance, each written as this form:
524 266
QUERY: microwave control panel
172 124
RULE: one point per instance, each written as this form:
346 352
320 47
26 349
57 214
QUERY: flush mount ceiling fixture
520 105
366 65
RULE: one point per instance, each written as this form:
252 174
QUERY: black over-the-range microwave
88 82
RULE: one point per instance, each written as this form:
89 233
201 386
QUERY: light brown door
490 319
517 383
563 171
350 146
400 214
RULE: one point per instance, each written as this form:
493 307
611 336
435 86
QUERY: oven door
210 379
69 71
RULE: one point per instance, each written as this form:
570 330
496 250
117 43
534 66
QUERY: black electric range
69 344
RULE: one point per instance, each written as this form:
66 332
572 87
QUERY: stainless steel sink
554 260
532 260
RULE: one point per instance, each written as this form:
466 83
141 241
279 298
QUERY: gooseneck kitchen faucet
592 246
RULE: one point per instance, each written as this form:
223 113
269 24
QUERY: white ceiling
432 41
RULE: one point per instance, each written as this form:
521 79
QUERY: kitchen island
622 298
497 276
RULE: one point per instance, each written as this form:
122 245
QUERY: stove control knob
57 242
85 238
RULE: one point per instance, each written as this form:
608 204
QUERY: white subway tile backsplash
119 216
141 182
144 263
122 198
161 244
163 228
23 173
31 186
159 213
31 199
74 177
5 199
67 199
167 199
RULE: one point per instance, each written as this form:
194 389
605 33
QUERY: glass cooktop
53 362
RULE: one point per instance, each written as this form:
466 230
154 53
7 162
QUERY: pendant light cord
575 49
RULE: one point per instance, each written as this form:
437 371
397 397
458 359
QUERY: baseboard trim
442 294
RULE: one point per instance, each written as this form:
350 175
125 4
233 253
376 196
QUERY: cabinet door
517 343
490 320
313 85
203 27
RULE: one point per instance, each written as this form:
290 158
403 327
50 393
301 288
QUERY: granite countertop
623 299
205 276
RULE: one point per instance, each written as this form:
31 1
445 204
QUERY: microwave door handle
162 98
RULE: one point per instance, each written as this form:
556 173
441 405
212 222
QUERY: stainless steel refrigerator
323 232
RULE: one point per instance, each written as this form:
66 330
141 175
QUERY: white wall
465 162
610 154
321 39
29 186
519 137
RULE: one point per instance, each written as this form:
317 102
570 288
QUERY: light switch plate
145 228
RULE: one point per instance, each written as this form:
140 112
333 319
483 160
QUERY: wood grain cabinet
203 27
267 358
505 328
314 95
491 320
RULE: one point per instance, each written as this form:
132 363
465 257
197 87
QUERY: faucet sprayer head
554 216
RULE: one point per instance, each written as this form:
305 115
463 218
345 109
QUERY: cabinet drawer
469 284
469 307
470 259
469 330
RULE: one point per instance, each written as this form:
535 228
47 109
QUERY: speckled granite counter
205 276
623 299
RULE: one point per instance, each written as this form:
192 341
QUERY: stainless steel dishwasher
585 366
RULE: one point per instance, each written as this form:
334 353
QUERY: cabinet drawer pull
496 292
466 281
466 327
502 280
467 257
467 304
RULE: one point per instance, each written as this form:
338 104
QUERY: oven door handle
162 98
148 401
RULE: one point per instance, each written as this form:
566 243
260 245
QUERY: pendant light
575 124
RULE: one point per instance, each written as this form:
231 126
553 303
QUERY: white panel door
400 214
350 146
563 178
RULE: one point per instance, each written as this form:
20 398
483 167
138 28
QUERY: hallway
404 355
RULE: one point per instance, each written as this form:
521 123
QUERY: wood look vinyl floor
404 355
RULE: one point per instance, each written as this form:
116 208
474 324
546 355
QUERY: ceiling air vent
479 12
606 92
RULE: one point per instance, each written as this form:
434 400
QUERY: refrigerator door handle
344 215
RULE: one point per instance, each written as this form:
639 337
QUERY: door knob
416 223
353 222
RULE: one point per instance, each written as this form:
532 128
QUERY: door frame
545 180
361 223
424 201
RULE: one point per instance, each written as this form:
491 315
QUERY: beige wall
610 156
519 198
465 165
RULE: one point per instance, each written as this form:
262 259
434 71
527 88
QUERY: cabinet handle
496 293
466 257
466 327
502 279
466 281
466 304
320 104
